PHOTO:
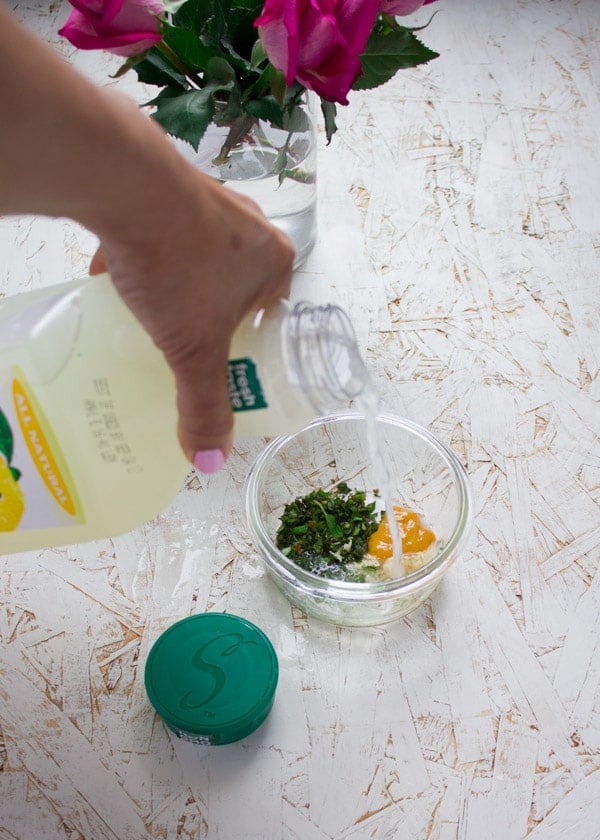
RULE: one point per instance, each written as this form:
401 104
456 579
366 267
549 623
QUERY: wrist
137 174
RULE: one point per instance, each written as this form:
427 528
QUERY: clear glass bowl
424 475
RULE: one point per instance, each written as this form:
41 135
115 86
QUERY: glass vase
275 167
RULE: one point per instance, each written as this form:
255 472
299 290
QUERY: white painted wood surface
460 225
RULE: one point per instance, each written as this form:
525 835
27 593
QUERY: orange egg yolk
415 537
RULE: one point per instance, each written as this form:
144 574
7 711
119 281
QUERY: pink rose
318 42
402 7
124 27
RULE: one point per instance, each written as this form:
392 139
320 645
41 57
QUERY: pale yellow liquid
83 354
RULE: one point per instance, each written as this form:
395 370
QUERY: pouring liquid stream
348 374
359 386
368 404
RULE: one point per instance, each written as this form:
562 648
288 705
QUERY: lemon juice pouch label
36 488
245 388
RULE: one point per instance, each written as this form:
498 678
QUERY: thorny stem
239 127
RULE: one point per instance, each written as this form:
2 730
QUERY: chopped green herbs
326 532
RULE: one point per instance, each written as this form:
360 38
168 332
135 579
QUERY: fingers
205 425
205 414
190 274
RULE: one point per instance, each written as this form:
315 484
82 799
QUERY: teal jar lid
212 677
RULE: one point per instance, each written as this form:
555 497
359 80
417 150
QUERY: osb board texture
459 226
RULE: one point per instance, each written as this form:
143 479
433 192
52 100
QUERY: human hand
188 256
190 276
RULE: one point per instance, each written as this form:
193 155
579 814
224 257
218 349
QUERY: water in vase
273 167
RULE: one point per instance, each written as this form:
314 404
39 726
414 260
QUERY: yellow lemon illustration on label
12 500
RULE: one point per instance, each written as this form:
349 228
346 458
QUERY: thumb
205 426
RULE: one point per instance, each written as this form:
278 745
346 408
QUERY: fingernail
209 460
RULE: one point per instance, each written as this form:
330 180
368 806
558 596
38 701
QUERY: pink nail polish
209 460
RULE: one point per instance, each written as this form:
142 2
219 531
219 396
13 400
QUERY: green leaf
6 438
325 532
294 92
233 109
219 71
237 130
258 54
386 53
277 82
332 526
187 115
16 474
267 108
173 6
329 110
241 35
218 24
296 119
188 47
252 7
280 163
193 15
156 70
129 64
258 85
